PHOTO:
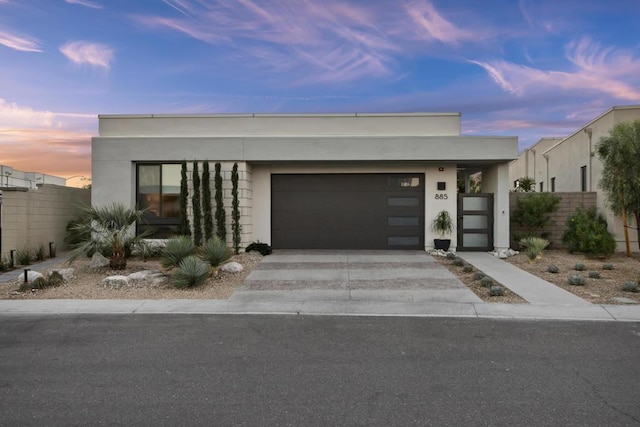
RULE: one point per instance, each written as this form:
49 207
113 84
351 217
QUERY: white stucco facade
572 164
266 145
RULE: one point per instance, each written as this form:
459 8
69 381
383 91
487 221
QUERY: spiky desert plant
221 227
55 279
496 291
458 262
191 272
630 286
235 209
450 256
467 268
108 228
185 228
207 209
214 251
608 266
576 280
479 275
486 282
553 269
579 267
594 275
533 247
196 206
177 249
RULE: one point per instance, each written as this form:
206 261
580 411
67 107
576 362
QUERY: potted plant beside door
443 225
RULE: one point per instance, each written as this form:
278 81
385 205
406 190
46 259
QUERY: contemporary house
571 165
307 181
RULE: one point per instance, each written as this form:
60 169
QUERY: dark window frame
583 178
553 184
158 226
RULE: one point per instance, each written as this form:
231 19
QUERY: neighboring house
332 181
572 165
10 177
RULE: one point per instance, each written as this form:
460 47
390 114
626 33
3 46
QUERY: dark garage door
347 211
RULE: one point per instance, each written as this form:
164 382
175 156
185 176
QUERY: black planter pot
442 244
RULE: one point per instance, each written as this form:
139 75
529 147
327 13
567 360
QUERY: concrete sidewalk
36 266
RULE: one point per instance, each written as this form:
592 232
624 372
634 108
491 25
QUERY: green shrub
630 286
24 256
215 251
533 247
580 267
55 279
40 253
608 266
479 275
177 249
38 283
496 291
553 269
458 262
4 264
486 282
533 213
191 272
594 275
467 268
450 256
587 233
576 280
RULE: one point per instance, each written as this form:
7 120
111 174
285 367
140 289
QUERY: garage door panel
348 211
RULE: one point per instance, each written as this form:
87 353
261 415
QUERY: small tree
197 208
526 184
221 227
207 209
235 209
185 229
533 213
620 156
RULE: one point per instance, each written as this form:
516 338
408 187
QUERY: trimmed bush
458 262
630 286
580 267
553 269
496 291
608 266
191 272
450 256
486 282
177 249
467 268
207 209
594 275
196 206
479 275
24 256
576 280
587 233
214 251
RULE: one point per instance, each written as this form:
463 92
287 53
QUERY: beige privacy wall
34 217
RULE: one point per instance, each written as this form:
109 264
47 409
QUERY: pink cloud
83 52
434 26
85 3
21 43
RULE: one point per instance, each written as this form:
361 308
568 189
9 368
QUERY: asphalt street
316 371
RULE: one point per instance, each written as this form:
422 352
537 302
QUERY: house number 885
442 196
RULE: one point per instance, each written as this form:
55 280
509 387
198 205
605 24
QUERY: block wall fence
569 202
39 216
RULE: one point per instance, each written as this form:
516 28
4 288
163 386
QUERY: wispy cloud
329 42
85 3
83 52
45 141
17 42
610 71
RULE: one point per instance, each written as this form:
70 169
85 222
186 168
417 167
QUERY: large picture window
158 192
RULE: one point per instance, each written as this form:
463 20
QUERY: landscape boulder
148 277
31 276
115 282
232 267
98 261
66 273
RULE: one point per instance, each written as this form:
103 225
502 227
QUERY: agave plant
109 228
533 247
191 272
177 249
215 251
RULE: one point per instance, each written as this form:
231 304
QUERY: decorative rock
98 261
66 273
143 275
115 282
623 300
149 277
504 253
232 267
31 276
440 252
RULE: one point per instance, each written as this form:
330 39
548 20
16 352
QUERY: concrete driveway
336 275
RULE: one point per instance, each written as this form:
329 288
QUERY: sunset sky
529 68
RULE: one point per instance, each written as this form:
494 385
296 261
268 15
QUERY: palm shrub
215 251
235 209
109 229
533 247
221 227
587 233
207 209
185 228
197 208
177 249
191 272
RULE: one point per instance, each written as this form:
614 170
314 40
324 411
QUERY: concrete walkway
528 286
37 266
